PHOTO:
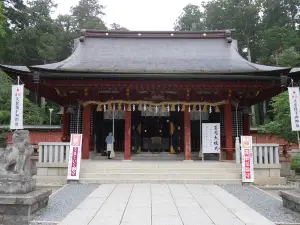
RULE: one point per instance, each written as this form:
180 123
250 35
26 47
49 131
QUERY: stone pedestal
18 209
16 184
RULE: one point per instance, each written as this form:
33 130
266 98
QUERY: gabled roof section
150 52
157 52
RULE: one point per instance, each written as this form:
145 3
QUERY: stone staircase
209 172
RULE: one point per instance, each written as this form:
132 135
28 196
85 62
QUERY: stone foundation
290 200
18 209
16 184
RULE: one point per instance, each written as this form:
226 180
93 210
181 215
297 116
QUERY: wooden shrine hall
153 83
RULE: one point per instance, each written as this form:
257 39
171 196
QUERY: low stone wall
51 174
268 174
290 200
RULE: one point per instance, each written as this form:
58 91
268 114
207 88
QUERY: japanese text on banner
294 98
16 119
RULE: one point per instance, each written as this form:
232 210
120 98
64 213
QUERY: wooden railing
265 154
54 152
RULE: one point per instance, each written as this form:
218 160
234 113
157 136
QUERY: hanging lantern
145 107
217 109
119 107
204 108
104 108
210 109
173 108
133 107
140 107
99 109
129 108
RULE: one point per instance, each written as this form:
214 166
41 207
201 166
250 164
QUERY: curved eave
17 70
142 73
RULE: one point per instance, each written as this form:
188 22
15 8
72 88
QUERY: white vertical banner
74 157
294 98
16 112
247 159
211 139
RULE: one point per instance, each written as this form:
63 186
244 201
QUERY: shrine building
142 85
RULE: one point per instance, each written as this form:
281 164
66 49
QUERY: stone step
160 181
160 170
178 176
90 164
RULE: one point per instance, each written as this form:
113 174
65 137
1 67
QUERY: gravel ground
62 203
263 203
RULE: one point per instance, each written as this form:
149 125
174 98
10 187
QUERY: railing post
255 148
276 155
266 160
237 151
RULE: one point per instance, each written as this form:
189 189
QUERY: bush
295 163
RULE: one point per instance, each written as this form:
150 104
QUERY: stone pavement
162 204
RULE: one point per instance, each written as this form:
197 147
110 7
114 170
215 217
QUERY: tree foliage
281 125
33 37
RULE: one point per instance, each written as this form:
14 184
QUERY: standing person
176 140
109 144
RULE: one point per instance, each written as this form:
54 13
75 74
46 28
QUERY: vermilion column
187 135
228 131
66 125
127 144
86 131
246 124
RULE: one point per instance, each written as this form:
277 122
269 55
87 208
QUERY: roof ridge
213 34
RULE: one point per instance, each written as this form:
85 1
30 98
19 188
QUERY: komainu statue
15 173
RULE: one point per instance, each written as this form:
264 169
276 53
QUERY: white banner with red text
16 112
74 157
247 159
294 98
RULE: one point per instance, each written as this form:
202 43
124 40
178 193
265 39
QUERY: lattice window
240 123
73 123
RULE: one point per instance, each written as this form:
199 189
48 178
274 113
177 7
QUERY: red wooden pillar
187 135
86 131
246 124
228 131
127 144
66 125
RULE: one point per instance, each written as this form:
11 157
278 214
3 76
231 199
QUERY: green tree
33 114
280 127
190 20
87 14
118 27
2 20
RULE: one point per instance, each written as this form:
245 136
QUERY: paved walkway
161 204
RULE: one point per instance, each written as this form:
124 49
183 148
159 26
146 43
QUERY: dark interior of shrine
148 127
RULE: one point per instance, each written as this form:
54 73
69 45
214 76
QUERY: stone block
42 171
52 172
274 173
62 171
18 209
16 184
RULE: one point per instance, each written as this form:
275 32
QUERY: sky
140 15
